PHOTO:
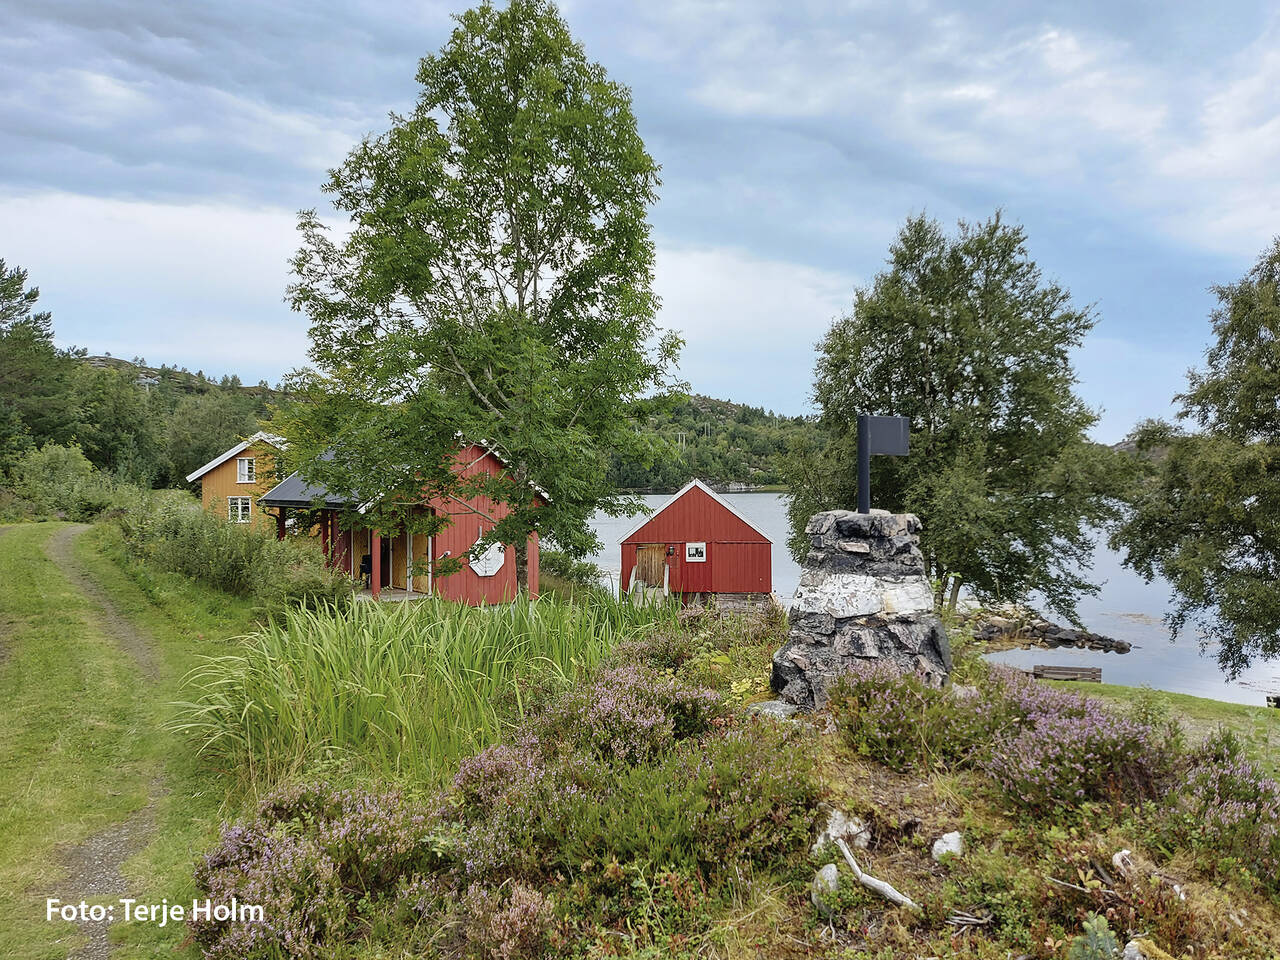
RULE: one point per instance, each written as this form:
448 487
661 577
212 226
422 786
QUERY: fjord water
1127 608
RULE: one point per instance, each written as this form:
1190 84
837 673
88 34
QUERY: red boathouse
697 546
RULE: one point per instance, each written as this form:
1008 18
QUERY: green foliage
713 440
37 405
1097 942
1206 519
171 531
59 482
495 285
570 569
403 690
963 336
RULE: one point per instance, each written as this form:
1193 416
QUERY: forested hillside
715 440
148 425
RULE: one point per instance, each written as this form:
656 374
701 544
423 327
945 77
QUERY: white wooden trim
695 482
278 442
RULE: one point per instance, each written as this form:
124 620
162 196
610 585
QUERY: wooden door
650 558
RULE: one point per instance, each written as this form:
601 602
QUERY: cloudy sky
153 156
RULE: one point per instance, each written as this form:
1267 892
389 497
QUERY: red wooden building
387 558
697 546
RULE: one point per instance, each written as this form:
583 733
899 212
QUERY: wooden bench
1044 672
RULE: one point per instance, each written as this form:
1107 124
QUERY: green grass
1257 727
81 738
402 691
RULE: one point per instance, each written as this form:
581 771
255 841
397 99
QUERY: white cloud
200 284
749 323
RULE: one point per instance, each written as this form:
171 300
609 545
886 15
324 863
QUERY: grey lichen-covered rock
823 890
775 709
863 595
949 844
841 826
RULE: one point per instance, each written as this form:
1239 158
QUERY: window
246 470
238 509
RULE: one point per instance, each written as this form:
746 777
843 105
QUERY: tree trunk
522 566
955 595
940 591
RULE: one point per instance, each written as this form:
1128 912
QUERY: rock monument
863 596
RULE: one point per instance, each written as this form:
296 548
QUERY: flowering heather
1048 749
1228 808
629 714
510 922
633 766
308 858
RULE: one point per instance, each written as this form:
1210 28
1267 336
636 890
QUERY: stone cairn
863 596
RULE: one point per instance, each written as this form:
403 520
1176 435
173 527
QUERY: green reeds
403 690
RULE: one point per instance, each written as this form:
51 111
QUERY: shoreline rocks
1011 627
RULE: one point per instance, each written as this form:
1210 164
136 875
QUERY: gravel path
94 865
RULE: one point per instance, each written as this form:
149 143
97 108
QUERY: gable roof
278 442
695 482
294 491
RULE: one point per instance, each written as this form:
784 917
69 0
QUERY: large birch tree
493 283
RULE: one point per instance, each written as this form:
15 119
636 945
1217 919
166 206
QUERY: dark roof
293 491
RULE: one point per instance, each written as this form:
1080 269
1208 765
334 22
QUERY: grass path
96 799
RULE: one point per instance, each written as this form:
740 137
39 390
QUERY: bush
570 569
1047 749
1227 810
637 768
60 482
899 720
318 861
174 533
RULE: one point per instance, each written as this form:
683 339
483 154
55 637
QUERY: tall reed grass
401 690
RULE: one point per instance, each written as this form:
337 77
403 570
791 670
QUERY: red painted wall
739 558
466 527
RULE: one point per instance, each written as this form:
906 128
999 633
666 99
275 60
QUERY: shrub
635 768
317 861
899 720
58 481
1227 810
1048 749
175 534
570 569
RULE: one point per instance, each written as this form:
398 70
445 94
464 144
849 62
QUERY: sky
154 155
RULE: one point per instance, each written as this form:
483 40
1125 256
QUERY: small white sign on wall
695 552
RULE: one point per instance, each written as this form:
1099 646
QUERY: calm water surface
1127 608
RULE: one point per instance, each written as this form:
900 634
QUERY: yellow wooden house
231 483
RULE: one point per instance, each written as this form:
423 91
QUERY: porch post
280 524
375 550
324 535
408 562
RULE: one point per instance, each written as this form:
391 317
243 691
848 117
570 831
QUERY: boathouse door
650 558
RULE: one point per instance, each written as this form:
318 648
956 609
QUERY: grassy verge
186 620
81 738
76 750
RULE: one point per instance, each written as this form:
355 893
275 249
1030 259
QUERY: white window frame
246 470
240 509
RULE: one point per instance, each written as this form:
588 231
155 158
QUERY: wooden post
324 535
280 524
375 558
